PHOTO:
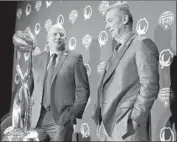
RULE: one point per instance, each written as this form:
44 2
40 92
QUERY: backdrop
85 26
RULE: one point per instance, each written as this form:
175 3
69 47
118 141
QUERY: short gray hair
123 7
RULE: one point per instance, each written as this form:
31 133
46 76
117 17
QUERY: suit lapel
118 56
43 65
100 84
103 74
62 58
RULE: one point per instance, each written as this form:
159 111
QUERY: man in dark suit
130 82
61 88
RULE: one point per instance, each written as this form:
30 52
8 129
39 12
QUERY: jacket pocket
130 129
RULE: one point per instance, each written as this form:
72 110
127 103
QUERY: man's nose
107 27
58 36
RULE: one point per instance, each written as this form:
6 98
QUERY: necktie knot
54 56
53 59
117 46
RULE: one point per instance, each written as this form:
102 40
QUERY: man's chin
113 35
60 48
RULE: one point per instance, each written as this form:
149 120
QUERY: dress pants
117 134
47 128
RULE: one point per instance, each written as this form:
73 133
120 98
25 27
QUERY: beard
58 46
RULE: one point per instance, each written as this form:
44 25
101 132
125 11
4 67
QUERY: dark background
7 28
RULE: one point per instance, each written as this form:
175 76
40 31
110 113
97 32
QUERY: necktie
48 79
110 61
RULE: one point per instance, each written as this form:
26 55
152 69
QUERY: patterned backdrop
85 26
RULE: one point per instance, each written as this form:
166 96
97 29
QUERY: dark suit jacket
129 87
69 87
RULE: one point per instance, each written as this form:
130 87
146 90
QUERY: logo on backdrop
101 67
168 54
86 41
166 134
87 12
164 96
103 38
72 43
48 3
60 19
19 13
85 130
103 6
38 5
73 16
28 10
37 29
48 24
142 26
166 19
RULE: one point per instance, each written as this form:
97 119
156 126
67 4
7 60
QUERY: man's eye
61 34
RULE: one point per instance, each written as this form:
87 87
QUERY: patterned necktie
110 61
48 79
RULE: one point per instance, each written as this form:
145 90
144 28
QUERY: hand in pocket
131 128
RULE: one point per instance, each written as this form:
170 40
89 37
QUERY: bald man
61 88
130 82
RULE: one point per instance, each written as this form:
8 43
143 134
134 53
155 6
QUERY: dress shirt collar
58 53
123 39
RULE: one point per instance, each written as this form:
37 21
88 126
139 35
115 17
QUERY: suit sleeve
82 91
147 58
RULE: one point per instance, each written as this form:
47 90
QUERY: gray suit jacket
69 88
130 86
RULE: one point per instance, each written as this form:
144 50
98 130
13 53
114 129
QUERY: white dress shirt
57 58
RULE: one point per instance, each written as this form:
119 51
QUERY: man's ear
125 19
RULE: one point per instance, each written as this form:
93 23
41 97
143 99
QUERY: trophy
24 41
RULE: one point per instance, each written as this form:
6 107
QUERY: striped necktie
48 79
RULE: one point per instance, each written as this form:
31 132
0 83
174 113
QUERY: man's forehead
56 29
111 13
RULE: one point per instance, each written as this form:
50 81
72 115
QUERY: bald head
56 37
57 27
